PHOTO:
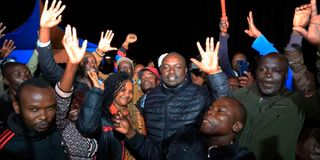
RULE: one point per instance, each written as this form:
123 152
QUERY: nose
211 112
171 70
43 115
268 74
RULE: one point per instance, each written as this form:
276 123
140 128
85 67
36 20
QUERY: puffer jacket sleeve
49 68
89 119
218 85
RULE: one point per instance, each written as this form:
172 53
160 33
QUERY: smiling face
89 63
173 70
37 107
148 81
125 95
271 74
126 67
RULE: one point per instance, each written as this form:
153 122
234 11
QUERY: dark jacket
168 110
92 122
6 109
18 142
189 144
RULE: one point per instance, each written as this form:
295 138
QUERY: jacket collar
19 127
174 90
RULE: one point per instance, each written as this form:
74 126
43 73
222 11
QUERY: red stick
223 8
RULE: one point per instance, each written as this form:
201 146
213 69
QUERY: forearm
63 101
122 51
219 85
263 46
304 80
44 34
144 148
68 76
90 114
99 56
224 62
51 71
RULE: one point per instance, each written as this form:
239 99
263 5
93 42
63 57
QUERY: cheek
29 117
51 114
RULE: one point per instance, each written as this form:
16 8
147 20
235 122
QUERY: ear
236 128
5 81
16 106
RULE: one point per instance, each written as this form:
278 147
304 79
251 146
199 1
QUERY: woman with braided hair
101 102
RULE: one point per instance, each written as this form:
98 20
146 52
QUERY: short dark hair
7 66
36 82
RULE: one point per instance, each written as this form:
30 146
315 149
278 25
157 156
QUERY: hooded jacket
19 142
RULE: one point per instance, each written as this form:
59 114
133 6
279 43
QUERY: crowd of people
207 108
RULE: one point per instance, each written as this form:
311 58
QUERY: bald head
237 109
276 56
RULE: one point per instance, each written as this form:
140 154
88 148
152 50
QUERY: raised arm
223 49
50 18
209 63
312 35
304 80
122 52
74 143
261 44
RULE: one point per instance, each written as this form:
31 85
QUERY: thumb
301 30
197 63
247 32
113 48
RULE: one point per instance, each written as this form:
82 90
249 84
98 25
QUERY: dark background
171 25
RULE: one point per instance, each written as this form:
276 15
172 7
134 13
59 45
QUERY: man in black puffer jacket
175 103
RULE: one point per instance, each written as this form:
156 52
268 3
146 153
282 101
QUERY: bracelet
100 54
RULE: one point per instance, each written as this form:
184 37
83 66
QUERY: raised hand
302 15
104 44
224 24
94 78
209 62
52 16
313 33
7 48
2 28
252 31
131 38
71 44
